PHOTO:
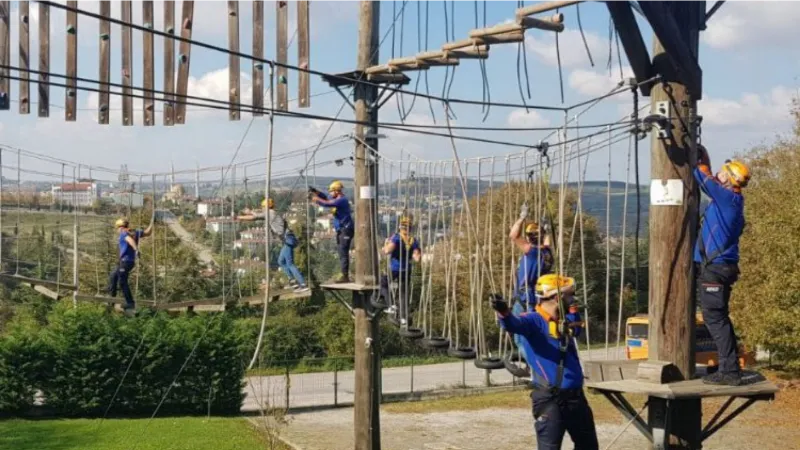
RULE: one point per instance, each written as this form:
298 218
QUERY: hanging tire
489 362
377 302
514 356
462 352
517 371
412 333
436 342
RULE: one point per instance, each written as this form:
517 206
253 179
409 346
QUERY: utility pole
673 227
367 348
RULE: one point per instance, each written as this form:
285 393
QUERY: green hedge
79 359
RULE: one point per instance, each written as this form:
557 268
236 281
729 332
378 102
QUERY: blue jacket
575 317
126 252
403 253
529 271
723 220
342 217
541 349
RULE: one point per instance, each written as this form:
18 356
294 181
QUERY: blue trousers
286 261
555 414
120 277
344 237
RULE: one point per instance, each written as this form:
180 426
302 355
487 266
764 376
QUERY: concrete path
329 388
204 254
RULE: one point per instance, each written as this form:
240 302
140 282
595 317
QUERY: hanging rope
427 85
622 252
560 71
583 35
635 118
608 246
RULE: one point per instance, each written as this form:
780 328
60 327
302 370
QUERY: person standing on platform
716 257
128 243
342 223
559 404
402 248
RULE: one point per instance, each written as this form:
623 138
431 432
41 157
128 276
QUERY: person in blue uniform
128 243
558 402
536 259
402 248
342 223
716 257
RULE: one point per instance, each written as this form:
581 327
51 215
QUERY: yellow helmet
738 173
336 186
121 223
269 202
406 220
532 228
549 285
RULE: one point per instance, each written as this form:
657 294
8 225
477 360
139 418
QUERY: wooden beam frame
24 58
632 42
543 7
234 63
258 52
104 66
148 63
169 64
665 27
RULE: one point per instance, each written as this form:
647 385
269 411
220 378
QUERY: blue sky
749 56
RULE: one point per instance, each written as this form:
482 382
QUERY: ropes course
455 230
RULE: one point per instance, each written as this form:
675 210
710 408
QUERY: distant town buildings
209 208
221 225
132 199
76 194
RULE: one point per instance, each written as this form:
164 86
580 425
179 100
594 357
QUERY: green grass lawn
192 433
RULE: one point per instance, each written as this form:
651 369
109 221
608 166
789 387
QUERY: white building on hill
76 194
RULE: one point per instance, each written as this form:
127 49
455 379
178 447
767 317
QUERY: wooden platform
350 287
685 389
352 77
36 282
218 303
110 300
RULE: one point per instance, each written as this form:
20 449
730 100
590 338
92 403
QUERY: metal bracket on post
660 119
346 98
380 100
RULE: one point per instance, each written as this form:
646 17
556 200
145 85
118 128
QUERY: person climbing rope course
128 250
402 247
280 229
716 257
342 223
558 402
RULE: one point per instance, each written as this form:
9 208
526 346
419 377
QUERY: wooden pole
5 54
234 71
672 237
258 52
127 65
169 63
281 52
184 59
44 60
71 92
367 349
303 50
148 65
24 58
104 67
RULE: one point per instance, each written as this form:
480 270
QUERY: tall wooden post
367 349
673 229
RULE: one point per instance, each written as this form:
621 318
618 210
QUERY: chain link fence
330 382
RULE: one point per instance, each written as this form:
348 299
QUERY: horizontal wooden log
479 52
658 372
430 55
539 8
610 370
402 61
497 29
380 68
514 36
391 78
555 23
442 62
455 45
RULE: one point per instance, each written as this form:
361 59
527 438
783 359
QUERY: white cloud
763 112
751 24
573 52
530 118
593 83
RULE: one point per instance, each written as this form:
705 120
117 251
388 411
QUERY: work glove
523 211
498 303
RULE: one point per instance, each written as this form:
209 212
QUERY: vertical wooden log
234 70
282 41
149 70
105 64
303 54
71 92
5 55
184 53
127 65
258 52
169 63
24 58
44 60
